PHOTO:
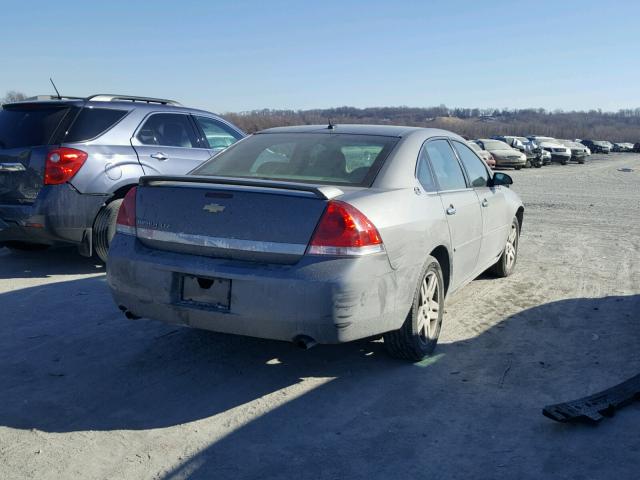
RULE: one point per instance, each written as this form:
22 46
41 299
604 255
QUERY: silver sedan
317 234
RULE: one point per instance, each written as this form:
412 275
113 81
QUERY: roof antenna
331 125
55 88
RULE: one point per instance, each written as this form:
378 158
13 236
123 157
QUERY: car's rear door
461 206
495 216
167 144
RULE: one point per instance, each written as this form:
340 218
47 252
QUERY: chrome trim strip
12 167
224 243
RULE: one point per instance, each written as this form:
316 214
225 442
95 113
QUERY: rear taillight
126 221
344 230
62 164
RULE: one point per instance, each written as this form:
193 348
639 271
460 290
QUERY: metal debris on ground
594 407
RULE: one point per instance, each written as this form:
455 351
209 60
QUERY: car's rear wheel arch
441 254
121 192
104 223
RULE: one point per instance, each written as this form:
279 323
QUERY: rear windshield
334 159
29 126
92 122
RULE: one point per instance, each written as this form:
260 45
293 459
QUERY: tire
104 228
581 162
25 247
538 165
564 162
517 168
418 336
507 262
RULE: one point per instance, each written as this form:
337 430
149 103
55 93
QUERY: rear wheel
564 162
507 262
104 228
419 334
517 168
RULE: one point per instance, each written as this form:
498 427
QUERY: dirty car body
237 246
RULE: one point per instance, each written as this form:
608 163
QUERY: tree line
620 126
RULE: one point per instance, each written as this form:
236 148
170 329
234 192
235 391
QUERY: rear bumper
331 301
60 214
510 163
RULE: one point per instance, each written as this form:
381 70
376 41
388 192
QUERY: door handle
159 156
451 210
485 203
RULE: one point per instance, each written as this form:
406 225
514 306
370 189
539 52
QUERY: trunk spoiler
325 192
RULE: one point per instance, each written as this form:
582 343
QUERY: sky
243 55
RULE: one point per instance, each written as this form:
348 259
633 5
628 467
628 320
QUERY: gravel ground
85 393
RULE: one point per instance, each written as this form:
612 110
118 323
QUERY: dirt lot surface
85 393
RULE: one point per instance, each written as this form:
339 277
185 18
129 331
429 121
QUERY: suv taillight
126 221
343 230
62 164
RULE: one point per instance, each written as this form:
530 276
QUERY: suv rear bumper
60 214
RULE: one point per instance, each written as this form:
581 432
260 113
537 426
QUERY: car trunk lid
252 220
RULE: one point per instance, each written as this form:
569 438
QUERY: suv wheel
104 228
419 334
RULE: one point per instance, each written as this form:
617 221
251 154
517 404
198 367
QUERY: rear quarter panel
107 168
411 222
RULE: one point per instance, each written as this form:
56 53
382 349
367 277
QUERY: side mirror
500 178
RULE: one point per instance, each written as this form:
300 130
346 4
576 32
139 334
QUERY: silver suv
66 163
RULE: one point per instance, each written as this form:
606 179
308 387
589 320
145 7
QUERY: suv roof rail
104 97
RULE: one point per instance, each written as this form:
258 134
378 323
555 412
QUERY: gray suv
66 163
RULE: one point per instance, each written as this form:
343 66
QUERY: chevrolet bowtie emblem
214 208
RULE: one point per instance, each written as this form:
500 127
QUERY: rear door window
30 125
169 130
445 165
217 134
475 168
92 122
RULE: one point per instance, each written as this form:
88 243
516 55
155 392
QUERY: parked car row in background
535 151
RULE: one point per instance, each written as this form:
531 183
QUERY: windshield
495 145
334 159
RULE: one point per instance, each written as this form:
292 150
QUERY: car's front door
495 215
167 144
216 134
462 209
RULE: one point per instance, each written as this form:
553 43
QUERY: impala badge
214 208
